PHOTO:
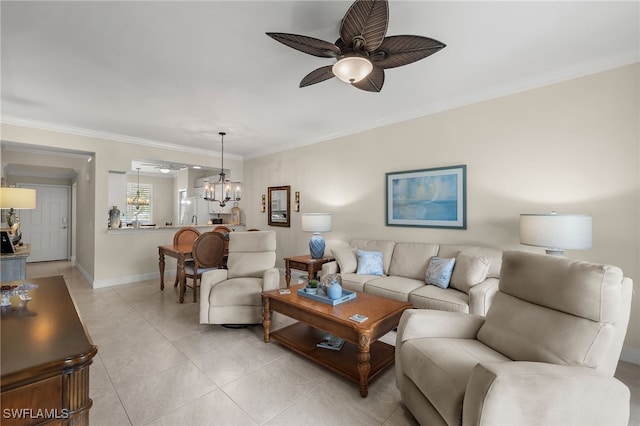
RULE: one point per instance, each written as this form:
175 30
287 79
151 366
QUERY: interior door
46 227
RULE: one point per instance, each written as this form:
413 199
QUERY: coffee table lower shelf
302 338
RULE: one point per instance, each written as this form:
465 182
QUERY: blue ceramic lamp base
316 246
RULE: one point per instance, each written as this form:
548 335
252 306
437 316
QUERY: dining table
181 252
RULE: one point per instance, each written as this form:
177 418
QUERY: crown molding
61 128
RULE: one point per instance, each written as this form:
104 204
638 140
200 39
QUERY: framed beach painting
433 198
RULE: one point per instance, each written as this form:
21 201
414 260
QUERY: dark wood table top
308 259
376 308
43 334
177 250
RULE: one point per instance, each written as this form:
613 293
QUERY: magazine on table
331 342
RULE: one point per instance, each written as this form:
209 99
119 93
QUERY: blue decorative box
346 295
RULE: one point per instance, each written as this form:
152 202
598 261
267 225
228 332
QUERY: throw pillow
370 263
439 271
469 271
346 258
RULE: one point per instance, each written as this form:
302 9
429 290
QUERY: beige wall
108 257
572 147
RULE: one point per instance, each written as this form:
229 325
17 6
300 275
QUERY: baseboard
168 277
630 354
84 273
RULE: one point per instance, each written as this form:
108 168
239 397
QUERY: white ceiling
176 72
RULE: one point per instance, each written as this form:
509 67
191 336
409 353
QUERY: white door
46 227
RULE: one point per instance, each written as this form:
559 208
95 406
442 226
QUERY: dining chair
185 235
225 231
207 253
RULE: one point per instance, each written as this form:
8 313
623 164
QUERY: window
145 213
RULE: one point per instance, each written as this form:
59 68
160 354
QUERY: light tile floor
156 365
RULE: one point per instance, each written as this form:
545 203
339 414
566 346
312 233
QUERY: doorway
46 228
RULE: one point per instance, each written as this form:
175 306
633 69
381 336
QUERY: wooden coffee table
362 357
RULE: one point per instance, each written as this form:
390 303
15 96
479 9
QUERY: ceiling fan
165 167
362 51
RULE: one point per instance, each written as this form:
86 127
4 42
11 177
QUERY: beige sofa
473 285
545 353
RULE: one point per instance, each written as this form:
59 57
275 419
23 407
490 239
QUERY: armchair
544 354
234 295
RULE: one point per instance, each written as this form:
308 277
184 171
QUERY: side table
305 263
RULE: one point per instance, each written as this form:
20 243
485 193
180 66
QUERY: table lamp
13 199
316 223
556 232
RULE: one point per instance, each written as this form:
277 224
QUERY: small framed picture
432 198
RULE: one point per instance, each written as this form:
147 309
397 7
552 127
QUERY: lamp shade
556 231
352 69
17 198
316 222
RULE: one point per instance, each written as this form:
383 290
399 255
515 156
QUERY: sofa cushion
576 287
525 331
440 368
346 258
439 271
393 287
355 282
237 292
370 263
386 247
452 250
411 259
432 297
469 270
244 264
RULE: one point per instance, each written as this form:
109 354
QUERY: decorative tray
346 295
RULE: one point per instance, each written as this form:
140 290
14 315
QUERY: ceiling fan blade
373 82
368 19
317 76
401 50
310 45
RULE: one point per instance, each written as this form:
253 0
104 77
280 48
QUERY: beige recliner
545 354
234 295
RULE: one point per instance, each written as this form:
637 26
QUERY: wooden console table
304 263
45 358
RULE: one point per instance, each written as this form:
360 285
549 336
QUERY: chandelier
138 201
223 189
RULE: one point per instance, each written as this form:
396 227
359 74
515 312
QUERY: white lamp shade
352 69
316 222
17 198
558 231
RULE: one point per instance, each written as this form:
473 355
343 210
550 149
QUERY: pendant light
138 201
223 190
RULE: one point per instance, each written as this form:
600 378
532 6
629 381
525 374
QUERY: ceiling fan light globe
352 69
164 170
